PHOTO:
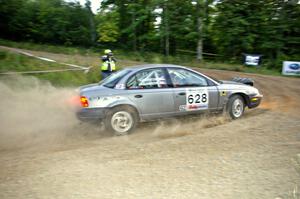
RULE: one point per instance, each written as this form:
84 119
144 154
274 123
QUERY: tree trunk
200 32
123 24
134 33
91 21
167 31
93 29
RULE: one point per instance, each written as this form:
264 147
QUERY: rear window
147 79
114 78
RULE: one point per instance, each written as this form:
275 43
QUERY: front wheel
121 120
236 106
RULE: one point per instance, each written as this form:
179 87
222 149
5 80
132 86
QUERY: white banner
291 68
252 60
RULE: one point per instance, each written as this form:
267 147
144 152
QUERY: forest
222 29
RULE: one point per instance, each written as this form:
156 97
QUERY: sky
95 4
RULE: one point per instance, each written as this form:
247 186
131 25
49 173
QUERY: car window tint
184 78
147 79
114 78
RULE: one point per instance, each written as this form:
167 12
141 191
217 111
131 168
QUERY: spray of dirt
33 112
177 127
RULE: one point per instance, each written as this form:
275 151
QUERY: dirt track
254 157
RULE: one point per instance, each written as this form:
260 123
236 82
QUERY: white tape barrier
46 59
25 53
76 67
40 71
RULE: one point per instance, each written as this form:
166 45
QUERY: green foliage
108 32
16 62
52 21
263 27
12 62
8 10
108 26
227 27
47 47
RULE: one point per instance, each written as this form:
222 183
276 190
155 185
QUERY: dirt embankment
46 153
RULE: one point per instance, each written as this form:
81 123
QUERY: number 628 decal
196 98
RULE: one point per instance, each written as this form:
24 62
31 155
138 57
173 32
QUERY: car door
149 91
192 92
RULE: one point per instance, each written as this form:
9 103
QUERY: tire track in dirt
208 157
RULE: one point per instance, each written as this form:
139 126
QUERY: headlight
252 91
255 91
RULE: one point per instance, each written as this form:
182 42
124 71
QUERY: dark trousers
105 74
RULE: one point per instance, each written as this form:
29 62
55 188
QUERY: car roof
146 66
137 68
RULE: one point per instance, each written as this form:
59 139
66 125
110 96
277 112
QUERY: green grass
190 61
17 62
46 47
12 62
90 57
238 68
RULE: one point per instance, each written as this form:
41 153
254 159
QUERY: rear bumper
91 114
254 101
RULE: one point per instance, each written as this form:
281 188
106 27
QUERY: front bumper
91 114
254 101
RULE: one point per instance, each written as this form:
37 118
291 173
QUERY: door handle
183 93
138 96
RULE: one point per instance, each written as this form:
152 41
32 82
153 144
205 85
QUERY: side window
184 78
147 79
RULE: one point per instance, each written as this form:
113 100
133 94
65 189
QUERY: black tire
236 107
128 116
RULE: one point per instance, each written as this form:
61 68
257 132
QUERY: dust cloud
176 127
33 112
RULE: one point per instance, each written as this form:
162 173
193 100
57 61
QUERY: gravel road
46 153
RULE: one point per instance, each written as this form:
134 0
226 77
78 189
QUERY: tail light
84 101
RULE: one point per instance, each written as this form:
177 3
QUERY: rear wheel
236 106
121 120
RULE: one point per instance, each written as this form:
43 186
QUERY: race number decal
196 98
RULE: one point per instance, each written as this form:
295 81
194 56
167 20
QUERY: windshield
220 82
114 78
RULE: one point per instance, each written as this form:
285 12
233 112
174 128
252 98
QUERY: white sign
196 98
291 68
252 60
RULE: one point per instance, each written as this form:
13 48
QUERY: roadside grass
91 57
16 62
46 47
13 62
238 68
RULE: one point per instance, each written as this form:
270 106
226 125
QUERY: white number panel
196 98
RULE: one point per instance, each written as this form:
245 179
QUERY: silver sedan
155 91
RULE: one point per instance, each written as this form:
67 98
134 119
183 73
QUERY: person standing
108 64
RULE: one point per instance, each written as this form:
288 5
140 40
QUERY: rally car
154 91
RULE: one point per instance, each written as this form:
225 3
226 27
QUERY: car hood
231 86
231 82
